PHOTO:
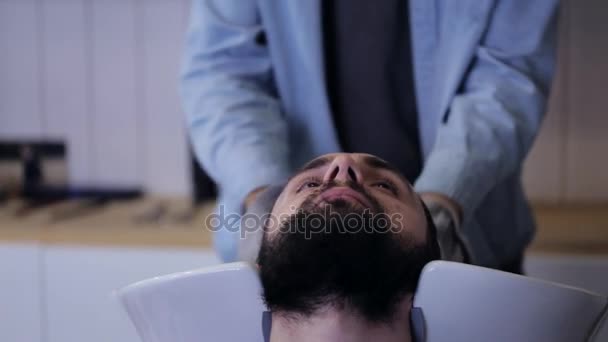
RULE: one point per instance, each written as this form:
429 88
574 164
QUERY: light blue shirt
482 70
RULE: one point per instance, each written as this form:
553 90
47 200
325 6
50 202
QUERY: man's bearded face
338 245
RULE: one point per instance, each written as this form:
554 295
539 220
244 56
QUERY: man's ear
252 222
408 301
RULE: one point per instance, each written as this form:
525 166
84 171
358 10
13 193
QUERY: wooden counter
116 224
571 229
575 229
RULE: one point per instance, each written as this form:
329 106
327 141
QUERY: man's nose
342 169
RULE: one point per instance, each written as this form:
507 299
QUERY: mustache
352 185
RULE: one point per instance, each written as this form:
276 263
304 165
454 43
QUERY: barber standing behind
451 92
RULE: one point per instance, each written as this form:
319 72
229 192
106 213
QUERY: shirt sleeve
238 132
492 122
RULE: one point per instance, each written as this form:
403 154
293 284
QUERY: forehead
361 159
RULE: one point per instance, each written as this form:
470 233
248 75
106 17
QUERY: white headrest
220 303
470 303
459 302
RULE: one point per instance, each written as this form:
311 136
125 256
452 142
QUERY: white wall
569 161
103 76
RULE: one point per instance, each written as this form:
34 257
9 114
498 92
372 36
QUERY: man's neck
339 325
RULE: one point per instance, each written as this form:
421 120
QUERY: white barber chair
459 303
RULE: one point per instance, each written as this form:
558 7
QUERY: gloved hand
257 206
450 241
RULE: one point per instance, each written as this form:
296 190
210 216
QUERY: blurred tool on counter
37 192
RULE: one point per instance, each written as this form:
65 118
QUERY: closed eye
309 183
386 185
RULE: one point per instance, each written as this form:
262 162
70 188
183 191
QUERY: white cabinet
51 293
80 282
20 300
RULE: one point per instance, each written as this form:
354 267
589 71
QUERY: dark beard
304 268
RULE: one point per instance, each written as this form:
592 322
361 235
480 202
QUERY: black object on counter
59 193
32 166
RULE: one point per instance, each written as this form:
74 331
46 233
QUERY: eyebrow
375 162
370 161
315 164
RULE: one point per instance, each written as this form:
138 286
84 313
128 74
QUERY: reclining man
343 250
